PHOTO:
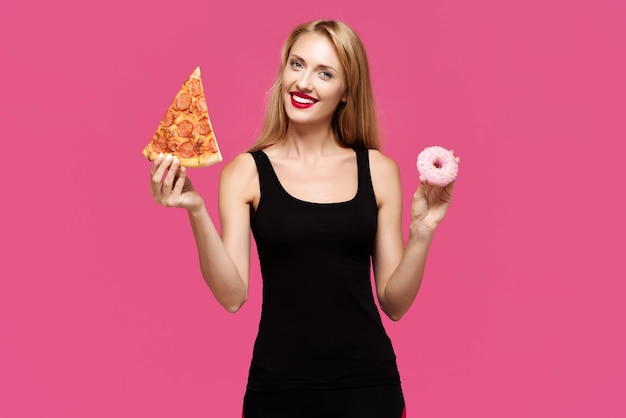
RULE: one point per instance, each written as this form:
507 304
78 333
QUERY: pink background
103 312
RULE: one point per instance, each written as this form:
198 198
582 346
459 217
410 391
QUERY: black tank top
320 327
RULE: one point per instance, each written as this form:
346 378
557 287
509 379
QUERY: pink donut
437 166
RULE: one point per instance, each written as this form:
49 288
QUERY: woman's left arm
398 269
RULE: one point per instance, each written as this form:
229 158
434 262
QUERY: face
313 81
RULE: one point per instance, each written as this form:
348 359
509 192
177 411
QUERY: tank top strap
268 181
366 188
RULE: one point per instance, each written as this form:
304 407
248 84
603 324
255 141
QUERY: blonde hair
354 122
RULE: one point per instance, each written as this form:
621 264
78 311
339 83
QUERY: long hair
355 121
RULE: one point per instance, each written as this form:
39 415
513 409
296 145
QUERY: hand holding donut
437 169
170 185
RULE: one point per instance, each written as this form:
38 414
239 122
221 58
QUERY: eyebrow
321 66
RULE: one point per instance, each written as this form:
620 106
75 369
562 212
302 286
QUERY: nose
304 82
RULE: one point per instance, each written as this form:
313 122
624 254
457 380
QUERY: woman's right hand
170 186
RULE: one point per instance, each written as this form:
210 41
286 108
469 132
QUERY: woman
322 203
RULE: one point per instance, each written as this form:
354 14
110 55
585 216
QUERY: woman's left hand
430 204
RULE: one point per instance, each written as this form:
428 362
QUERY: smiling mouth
302 101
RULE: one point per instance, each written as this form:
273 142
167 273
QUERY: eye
326 75
296 65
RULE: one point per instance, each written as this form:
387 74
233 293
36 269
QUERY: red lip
303 96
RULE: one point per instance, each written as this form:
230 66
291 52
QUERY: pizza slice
186 131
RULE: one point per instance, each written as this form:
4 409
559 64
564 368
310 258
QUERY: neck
310 141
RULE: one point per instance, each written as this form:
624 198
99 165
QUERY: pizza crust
195 162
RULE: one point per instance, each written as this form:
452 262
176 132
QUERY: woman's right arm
224 260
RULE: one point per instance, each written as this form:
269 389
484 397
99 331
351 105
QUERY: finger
436 194
156 176
168 182
180 181
160 166
156 163
157 188
448 189
427 188
421 191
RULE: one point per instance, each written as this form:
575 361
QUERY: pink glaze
437 166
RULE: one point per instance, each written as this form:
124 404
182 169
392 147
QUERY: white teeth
302 100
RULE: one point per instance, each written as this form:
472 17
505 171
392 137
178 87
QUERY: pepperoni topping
186 150
159 144
183 101
185 128
204 127
168 119
202 104
195 87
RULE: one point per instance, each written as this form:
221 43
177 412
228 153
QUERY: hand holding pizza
170 185
186 136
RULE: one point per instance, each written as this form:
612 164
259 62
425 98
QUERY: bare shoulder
242 164
382 167
385 176
239 177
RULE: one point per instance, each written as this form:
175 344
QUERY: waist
322 356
